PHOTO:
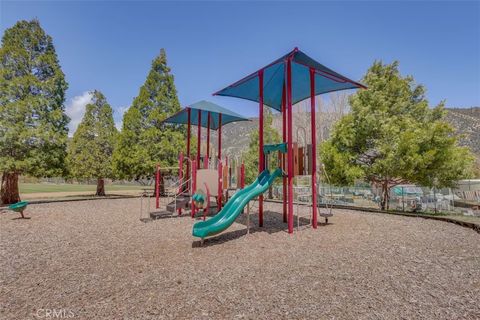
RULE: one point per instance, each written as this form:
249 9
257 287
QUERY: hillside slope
466 122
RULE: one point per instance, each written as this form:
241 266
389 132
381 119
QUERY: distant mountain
236 136
466 122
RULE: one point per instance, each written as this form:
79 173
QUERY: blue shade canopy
326 80
205 107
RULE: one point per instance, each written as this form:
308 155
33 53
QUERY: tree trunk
162 185
385 196
9 190
161 188
100 187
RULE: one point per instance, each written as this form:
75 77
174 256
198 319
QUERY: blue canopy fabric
205 107
326 80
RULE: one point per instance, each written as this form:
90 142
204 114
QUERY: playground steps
181 202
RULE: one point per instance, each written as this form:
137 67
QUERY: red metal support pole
230 175
242 176
284 139
189 124
180 178
180 170
219 156
226 170
220 185
207 207
199 136
290 145
208 140
194 185
261 164
220 137
157 187
314 148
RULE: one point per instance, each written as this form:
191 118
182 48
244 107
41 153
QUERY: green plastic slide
234 206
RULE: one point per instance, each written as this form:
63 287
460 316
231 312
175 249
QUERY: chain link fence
406 198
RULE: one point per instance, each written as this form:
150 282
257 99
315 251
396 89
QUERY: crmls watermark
60 313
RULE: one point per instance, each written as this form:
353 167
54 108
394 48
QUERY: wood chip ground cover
97 260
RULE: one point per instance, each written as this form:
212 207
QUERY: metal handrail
175 196
176 187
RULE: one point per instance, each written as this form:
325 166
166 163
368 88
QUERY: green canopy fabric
205 107
326 80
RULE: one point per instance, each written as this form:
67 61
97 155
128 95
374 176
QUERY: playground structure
203 176
284 82
288 80
234 174
241 198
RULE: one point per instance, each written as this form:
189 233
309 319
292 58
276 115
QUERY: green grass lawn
47 187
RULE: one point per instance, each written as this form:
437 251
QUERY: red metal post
194 185
230 175
314 148
199 136
261 165
220 137
226 170
207 207
180 178
189 124
220 185
180 170
208 140
290 145
157 187
219 156
284 139
242 176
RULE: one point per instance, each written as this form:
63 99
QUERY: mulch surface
97 260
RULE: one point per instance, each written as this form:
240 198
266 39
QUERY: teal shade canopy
205 107
326 80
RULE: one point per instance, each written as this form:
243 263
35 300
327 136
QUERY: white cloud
76 109
118 116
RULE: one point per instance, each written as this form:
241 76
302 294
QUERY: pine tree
90 151
393 137
33 124
145 140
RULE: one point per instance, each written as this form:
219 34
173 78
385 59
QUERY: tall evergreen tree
33 124
145 140
90 151
393 137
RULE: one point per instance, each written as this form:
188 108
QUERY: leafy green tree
145 140
33 124
270 136
392 137
90 151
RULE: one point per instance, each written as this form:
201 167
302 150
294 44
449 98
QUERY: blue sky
109 45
